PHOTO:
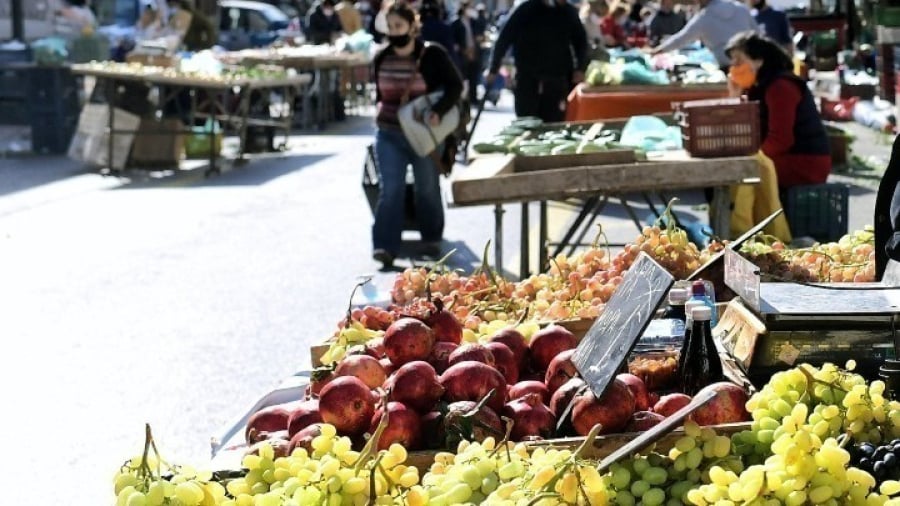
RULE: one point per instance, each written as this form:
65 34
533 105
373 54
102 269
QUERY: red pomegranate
416 385
366 368
561 370
549 342
408 339
348 404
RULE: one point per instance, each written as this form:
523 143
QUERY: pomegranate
403 427
612 410
364 367
279 441
440 355
504 361
653 397
319 378
726 407
270 419
549 342
304 415
462 422
516 343
563 396
638 389
408 339
348 404
471 353
387 365
444 324
416 385
375 348
472 381
304 438
530 417
643 420
561 370
669 404
523 388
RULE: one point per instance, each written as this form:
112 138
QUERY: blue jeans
393 154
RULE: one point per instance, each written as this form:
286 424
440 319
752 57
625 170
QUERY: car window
230 19
256 22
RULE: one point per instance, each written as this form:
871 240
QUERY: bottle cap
701 313
678 296
698 288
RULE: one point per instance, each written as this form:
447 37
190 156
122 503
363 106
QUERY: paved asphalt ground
178 300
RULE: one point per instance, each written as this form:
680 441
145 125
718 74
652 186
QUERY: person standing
887 214
613 26
550 47
435 29
196 30
73 18
467 48
408 68
592 14
324 24
714 25
666 22
774 24
349 16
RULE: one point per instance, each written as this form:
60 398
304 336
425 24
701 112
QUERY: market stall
621 101
220 98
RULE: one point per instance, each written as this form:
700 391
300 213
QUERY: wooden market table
587 103
227 101
493 180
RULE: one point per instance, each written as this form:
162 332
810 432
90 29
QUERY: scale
775 325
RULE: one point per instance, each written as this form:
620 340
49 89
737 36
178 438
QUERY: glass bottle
702 365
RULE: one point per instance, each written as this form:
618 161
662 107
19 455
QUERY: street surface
179 301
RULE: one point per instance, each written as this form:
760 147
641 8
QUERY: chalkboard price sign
612 337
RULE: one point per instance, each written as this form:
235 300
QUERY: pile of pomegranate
438 391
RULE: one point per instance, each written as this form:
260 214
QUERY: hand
433 119
577 77
734 90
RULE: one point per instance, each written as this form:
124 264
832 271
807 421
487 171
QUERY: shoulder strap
405 97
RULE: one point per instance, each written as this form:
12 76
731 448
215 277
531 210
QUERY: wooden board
494 181
533 163
656 88
606 347
190 81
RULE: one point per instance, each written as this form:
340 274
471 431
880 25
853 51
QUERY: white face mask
328 11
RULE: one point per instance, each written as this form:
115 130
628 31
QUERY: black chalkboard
612 337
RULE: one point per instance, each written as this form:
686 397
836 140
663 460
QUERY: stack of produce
529 137
818 436
851 259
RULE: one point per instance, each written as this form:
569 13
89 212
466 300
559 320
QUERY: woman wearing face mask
405 69
613 26
793 135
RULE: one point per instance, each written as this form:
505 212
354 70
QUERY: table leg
720 211
111 101
542 237
498 237
630 212
525 261
598 208
585 210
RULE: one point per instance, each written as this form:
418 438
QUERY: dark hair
403 10
775 59
430 8
77 3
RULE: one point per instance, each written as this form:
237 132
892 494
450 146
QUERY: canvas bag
413 115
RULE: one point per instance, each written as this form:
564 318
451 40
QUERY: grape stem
372 443
572 461
372 496
359 285
601 234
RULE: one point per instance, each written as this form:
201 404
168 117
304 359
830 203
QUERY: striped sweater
396 75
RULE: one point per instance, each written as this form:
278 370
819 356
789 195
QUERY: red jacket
610 28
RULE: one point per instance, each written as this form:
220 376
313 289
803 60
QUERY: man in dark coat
324 24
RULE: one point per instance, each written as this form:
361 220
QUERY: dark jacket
321 27
810 137
887 214
459 41
664 24
547 41
437 70
201 32
436 31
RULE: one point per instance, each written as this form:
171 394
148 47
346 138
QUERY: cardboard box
158 143
91 141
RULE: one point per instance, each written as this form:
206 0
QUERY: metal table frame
215 97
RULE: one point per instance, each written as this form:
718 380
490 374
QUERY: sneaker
431 249
383 256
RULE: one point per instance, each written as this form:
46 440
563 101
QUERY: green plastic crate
887 16
820 211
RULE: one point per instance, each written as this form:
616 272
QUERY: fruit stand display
224 97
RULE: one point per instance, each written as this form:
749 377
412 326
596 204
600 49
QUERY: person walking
435 29
714 25
324 25
774 24
408 68
550 47
467 48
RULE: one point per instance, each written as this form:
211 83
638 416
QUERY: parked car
244 24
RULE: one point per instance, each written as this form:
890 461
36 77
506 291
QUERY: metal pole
18 20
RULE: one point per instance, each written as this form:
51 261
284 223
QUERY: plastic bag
50 51
650 133
638 73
